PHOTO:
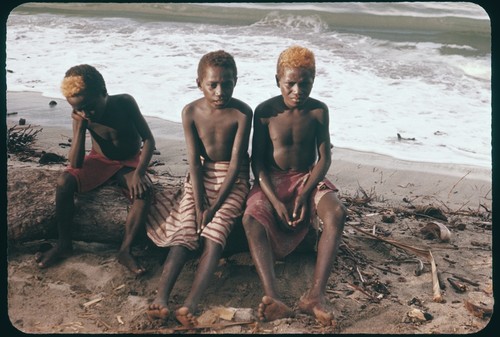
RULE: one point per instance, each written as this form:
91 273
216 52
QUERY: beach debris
49 158
120 319
417 316
20 139
119 287
52 103
435 230
457 286
372 298
463 279
389 218
439 133
92 302
430 211
12 113
214 326
442 285
420 269
225 313
400 138
478 311
425 253
22 121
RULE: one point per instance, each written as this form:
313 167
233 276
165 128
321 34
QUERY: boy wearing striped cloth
217 129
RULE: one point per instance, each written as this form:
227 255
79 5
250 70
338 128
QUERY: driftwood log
100 214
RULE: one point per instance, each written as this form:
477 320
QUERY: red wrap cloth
287 185
98 169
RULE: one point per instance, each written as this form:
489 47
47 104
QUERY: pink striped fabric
171 220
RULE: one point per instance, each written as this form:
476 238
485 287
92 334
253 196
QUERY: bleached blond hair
296 57
82 79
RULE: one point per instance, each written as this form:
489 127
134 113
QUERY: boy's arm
260 147
321 167
238 155
195 167
77 150
140 183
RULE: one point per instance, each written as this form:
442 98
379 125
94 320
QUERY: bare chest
290 131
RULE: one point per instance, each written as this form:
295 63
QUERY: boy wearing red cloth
290 158
117 129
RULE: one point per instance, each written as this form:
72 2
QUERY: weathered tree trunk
100 214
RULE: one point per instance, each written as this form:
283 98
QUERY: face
88 106
217 85
295 85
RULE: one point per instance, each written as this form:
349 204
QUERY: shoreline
385 177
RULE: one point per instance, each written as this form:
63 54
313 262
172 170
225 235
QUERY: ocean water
420 70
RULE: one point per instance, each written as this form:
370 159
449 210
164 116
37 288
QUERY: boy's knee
252 227
340 211
66 183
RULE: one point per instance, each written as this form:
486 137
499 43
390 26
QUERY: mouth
220 101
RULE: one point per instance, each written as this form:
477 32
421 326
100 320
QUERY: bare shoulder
190 108
121 99
317 108
123 103
241 107
269 107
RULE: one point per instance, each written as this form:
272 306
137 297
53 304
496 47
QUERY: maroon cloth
98 169
287 185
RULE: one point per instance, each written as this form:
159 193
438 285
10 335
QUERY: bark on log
100 214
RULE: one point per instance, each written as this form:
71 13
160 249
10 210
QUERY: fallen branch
425 253
453 187
216 326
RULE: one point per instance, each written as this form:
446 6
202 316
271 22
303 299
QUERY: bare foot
158 310
317 308
271 309
53 255
129 261
185 317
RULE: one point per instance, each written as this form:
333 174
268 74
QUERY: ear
198 83
277 80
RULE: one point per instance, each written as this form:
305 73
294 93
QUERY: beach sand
373 186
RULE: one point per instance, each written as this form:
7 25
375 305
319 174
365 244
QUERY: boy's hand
282 213
207 216
79 116
299 211
140 185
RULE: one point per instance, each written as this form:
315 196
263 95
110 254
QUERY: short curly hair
218 58
296 57
82 79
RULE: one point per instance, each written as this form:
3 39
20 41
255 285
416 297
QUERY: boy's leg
65 208
135 221
270 308
332 213
176 259
209 259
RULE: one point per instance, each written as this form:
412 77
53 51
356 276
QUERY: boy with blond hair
117 130
290 158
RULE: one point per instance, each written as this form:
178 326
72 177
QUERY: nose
218 90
